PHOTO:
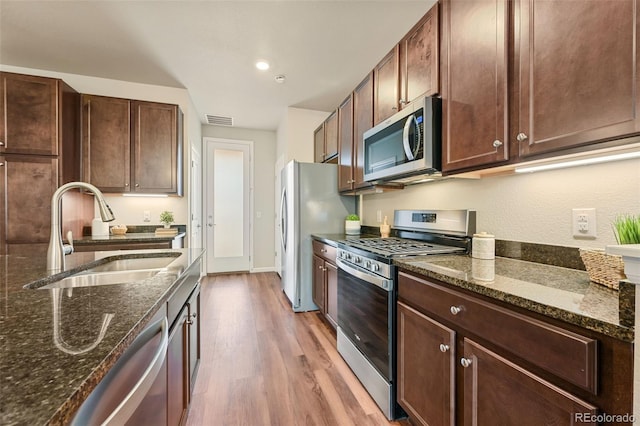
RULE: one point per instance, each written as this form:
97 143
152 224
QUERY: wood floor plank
263 364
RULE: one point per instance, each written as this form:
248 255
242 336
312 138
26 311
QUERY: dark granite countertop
140 237
48 360
562 293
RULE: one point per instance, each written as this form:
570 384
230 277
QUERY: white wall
264 149
129 210
295 134
532 207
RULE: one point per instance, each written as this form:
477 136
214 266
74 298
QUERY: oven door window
363 315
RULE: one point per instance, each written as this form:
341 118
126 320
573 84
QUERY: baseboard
263 269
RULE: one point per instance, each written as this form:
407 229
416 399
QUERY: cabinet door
497 391
318 282
426 368
420 59
332 293
578 76
331 136
318 144
106 142
28 114
386 77
178 371
27 184
194 336
474 83
345 145
362 121
157 157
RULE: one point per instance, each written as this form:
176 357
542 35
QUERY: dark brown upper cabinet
29 107
106 142
362 121
569 83
325 139
577 74
157 148
132 146
345 145
386 77
420 59
474 83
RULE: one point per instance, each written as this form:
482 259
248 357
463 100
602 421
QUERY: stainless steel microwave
406 144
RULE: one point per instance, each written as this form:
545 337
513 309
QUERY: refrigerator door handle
283 219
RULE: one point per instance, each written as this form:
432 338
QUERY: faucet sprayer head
105 211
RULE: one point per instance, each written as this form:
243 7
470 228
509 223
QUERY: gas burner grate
400 246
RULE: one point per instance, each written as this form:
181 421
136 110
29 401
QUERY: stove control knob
358 259
347 256
375 267
367 264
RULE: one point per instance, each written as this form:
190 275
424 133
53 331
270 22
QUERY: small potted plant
166 218
627 231
352 225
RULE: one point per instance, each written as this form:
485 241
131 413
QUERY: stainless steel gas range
367 292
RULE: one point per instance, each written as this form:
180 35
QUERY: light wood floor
264 365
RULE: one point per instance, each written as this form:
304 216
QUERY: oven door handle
383 283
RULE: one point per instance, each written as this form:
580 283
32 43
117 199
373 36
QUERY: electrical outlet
379 216
146 216
584 223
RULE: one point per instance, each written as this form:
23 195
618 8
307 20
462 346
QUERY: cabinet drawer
188 282
325 251
567 355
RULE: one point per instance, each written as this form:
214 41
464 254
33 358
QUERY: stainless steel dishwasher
134 390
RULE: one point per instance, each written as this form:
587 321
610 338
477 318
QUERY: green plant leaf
353 217
627 229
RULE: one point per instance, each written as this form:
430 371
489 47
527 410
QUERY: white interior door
228 206
195 236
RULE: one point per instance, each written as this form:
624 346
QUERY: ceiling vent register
218 120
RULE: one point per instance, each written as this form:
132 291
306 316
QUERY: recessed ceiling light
280 78
262 65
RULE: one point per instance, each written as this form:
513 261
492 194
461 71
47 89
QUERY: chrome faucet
57 251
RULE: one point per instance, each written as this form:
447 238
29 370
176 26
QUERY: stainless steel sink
102 278
133 264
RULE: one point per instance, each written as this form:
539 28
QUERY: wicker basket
603 268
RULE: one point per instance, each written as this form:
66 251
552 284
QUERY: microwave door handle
411 154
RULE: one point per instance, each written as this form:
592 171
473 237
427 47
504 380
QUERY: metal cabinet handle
126 184
2 164
465 362
443 347
323 250
522 137
497 143
455 310
137 185
1 143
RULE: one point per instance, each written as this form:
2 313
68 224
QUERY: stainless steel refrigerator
309 204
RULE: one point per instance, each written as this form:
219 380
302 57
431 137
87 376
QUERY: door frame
208 194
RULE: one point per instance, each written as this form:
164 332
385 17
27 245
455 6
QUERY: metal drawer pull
455 310
497 143
522 137
443 347
466 362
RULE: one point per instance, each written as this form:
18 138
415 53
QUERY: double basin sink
115 270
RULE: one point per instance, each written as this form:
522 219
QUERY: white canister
483 269
483 246
99 228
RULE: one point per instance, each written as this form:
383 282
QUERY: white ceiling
324 48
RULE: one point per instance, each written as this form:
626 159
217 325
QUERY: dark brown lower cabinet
498 391
463 359
325 281
194 336
178 371
420 338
